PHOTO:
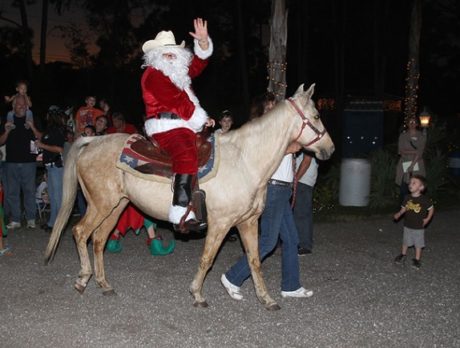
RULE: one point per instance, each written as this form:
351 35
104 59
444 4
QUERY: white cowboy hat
163 38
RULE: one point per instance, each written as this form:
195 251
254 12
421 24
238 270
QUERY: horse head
311 133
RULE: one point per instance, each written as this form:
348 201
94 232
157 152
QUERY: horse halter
306 122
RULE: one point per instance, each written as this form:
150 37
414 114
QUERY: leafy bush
383 189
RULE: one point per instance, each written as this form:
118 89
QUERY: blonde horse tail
69 193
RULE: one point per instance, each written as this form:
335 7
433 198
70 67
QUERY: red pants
180 144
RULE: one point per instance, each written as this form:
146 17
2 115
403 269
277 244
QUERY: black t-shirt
416 210
18 142
53 136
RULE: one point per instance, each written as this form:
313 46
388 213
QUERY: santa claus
173 112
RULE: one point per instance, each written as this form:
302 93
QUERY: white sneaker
13 224
232 290
31 224
300 293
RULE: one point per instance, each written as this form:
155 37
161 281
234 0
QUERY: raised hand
201 32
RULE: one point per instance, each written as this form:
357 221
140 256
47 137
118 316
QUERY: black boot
182 197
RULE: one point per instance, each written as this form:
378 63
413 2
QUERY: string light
411 89
277 69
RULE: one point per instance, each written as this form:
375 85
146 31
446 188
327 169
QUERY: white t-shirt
309 178
285 171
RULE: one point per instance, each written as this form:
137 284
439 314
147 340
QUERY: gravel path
361 298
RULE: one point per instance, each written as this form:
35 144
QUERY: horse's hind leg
99 239
81 232
213 241
249 235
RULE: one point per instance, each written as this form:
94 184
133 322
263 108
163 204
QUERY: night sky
316 30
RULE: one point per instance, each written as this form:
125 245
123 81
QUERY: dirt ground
361 298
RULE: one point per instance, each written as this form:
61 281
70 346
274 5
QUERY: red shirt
128 128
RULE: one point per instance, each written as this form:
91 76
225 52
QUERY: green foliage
326 190
436 160
383 166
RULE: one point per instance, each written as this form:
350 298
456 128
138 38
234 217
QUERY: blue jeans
55 176
81 202
303 215
21 176
277 222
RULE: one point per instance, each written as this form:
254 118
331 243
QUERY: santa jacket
160 94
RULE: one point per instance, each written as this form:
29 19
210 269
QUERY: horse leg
249 236
99 240
213 242
81 232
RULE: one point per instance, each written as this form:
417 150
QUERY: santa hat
163 38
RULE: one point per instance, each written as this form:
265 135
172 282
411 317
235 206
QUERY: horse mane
265 127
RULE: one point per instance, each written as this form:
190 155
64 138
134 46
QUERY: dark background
351 49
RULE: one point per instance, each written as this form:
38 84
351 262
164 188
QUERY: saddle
160 162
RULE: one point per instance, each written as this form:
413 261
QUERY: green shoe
114 246
157 248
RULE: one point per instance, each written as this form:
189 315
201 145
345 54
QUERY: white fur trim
203 54
154 125
176 212
198 119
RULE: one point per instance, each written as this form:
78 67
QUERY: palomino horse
235 195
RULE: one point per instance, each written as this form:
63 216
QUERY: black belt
279 183
168 116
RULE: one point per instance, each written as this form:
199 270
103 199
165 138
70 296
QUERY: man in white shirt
277 221
306 174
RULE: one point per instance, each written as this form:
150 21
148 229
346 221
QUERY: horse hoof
80 288
110 292
203 304
273 307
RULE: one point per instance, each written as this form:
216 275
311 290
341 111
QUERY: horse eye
316 117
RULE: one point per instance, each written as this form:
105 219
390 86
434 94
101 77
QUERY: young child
418 211
21 89
86 115
225 121
101 125
89 131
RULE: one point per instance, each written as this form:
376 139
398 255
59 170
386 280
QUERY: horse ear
299 91
310 91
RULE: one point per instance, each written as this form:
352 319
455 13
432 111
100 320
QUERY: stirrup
190 225
199 206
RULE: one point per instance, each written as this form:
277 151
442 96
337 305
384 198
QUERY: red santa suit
173 113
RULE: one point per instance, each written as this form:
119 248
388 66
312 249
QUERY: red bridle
306 122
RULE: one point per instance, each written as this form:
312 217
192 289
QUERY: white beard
175 69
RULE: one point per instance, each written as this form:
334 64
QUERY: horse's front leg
249 236
213 241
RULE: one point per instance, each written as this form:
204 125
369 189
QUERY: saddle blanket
130 159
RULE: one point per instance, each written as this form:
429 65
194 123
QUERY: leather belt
279 183
168 116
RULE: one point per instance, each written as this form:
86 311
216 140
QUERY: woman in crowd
52 144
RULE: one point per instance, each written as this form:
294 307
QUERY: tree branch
10 21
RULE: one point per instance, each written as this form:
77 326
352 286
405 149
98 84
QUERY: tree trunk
242 55
26 37
43 34
413 73
277 50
